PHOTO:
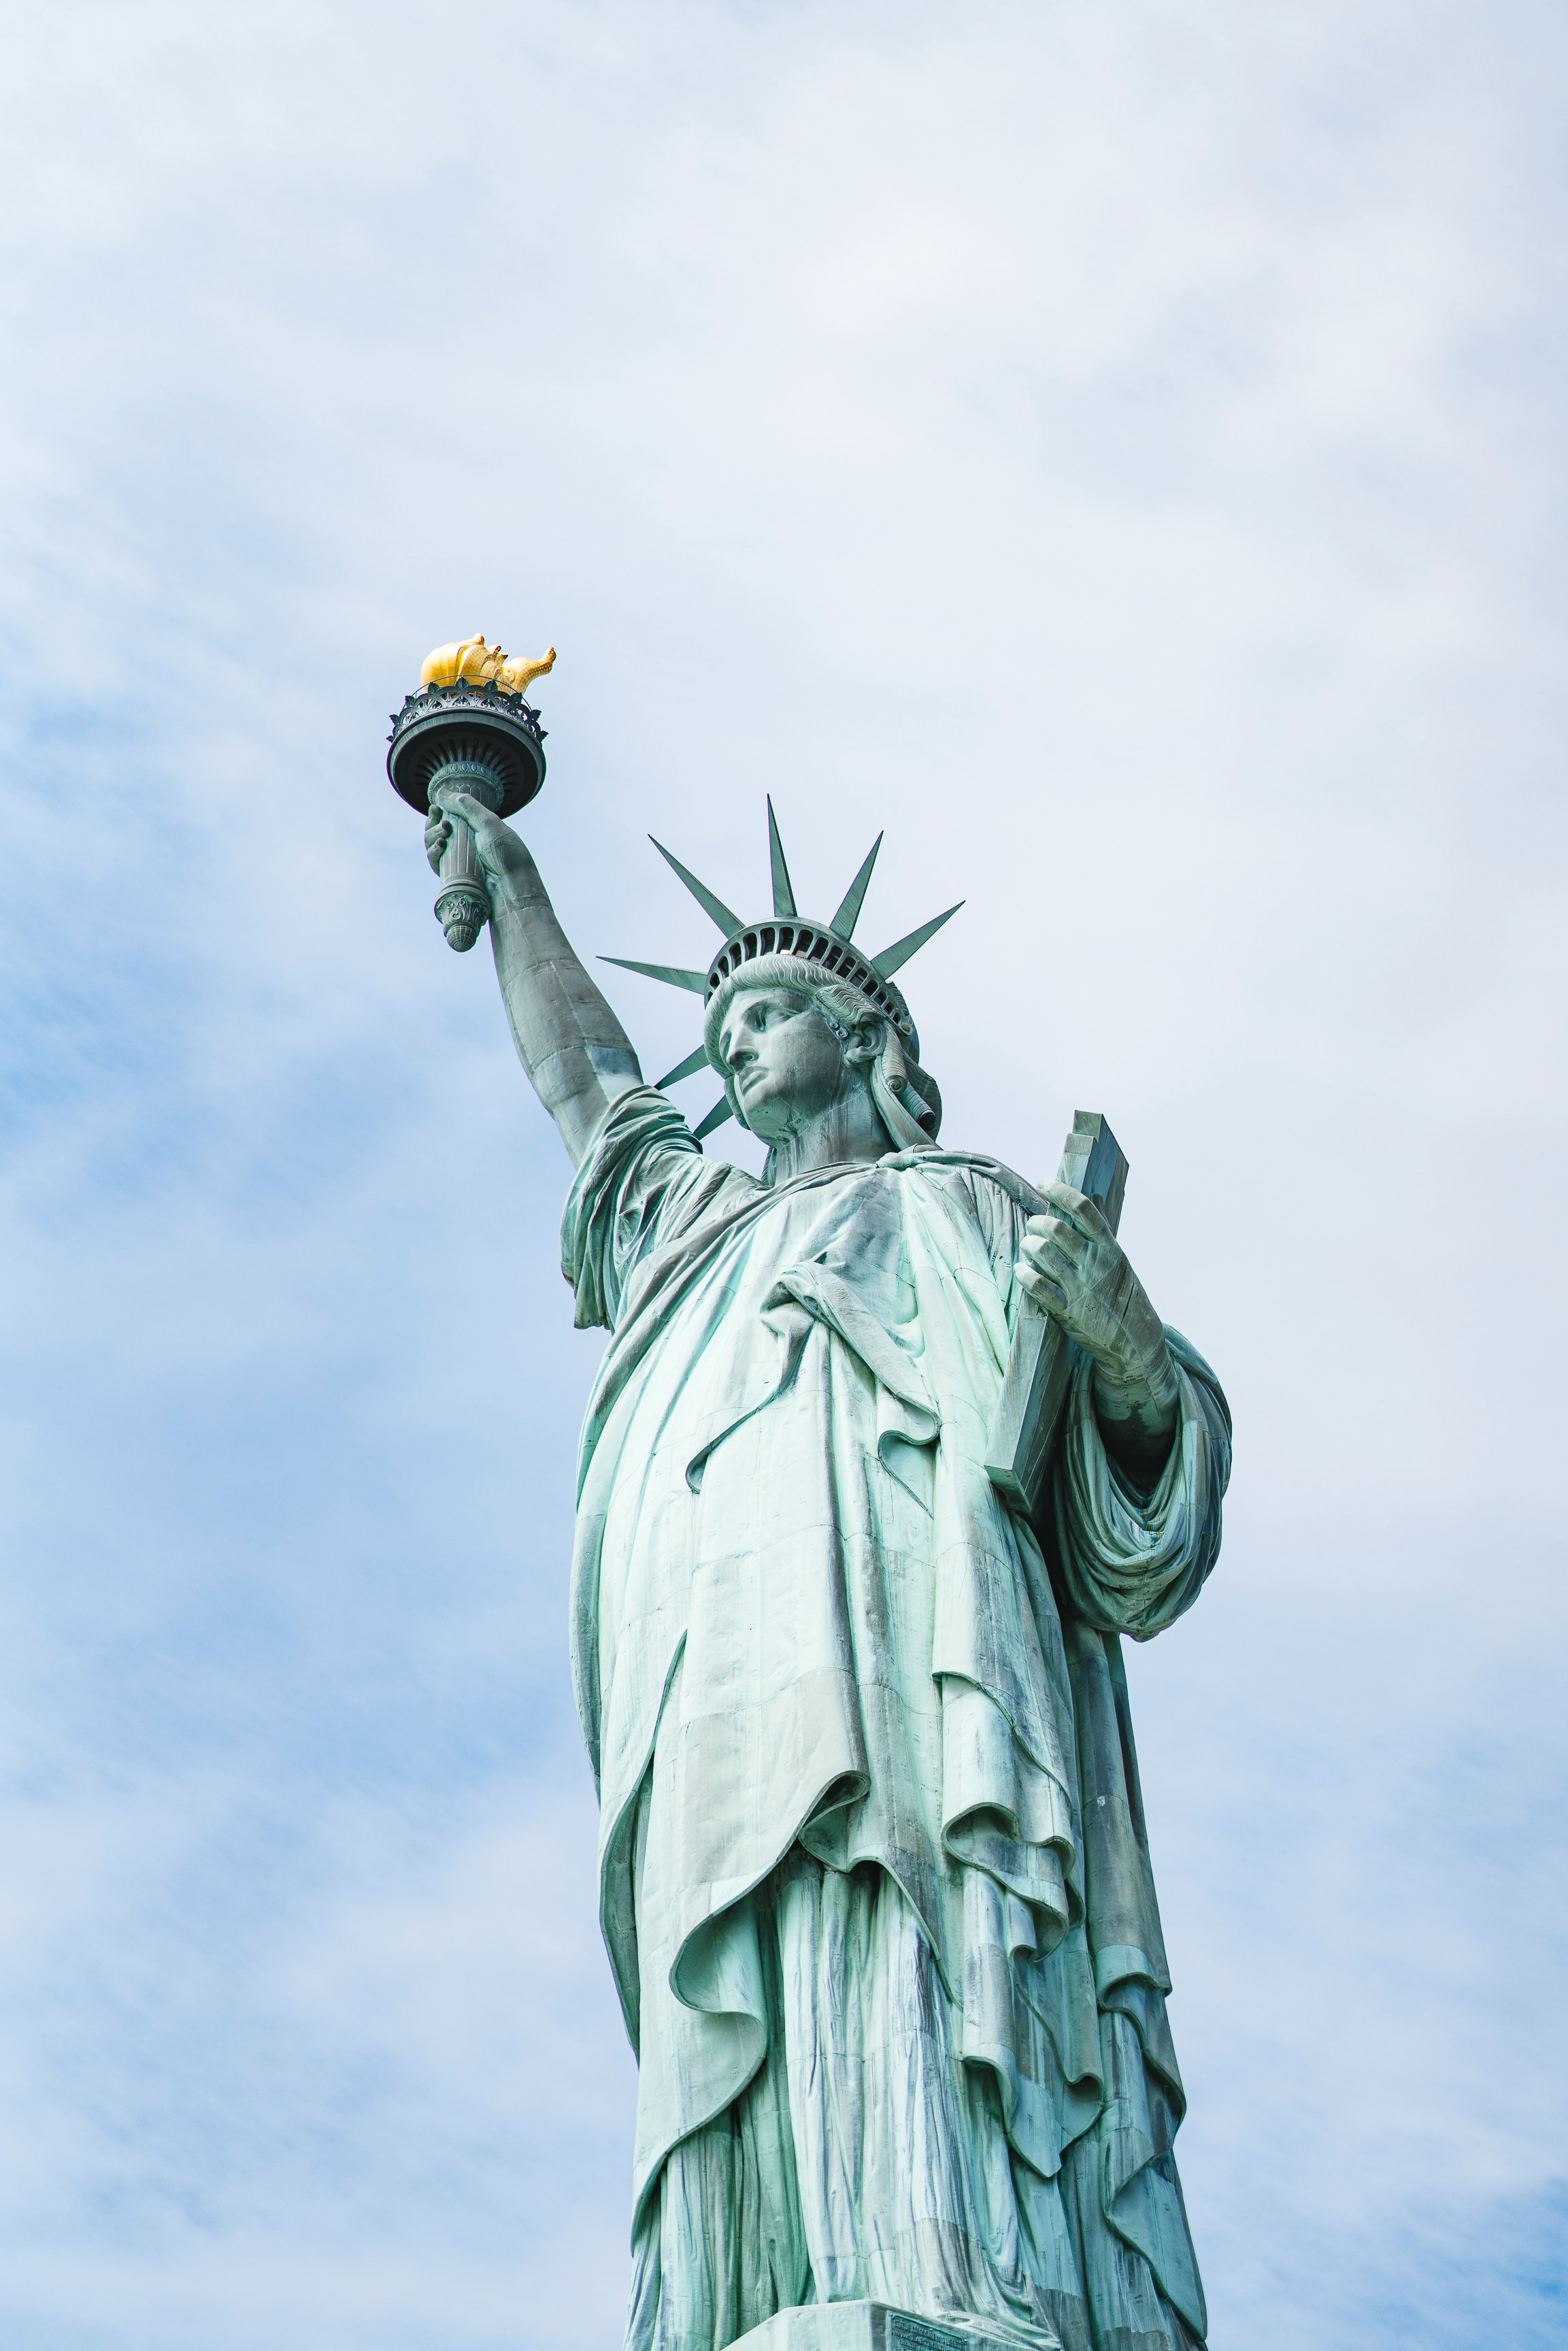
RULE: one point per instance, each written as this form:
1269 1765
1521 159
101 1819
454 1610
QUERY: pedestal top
874 2327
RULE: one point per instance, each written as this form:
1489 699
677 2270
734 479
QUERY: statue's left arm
1074 1266
1145 1455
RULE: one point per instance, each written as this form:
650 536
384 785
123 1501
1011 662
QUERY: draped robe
875 1885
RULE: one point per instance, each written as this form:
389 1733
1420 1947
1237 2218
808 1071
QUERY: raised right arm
577 1057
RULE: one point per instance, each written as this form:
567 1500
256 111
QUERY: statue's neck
847 1134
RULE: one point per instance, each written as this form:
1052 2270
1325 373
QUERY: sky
1117 449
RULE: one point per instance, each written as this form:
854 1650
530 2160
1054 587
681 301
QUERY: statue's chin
763 1113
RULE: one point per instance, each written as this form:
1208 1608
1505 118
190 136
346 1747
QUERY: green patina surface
876 1889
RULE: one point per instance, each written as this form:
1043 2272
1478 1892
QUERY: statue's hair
908 1100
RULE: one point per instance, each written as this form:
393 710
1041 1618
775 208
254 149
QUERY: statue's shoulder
969 1171
642 1188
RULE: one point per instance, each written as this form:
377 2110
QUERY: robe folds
839 1699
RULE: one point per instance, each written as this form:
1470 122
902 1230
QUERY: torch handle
462 903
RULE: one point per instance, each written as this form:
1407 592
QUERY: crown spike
668 972
783 890
727 921
894 957
848 914
715 1117
687 1069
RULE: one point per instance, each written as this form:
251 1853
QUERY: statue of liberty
875 1887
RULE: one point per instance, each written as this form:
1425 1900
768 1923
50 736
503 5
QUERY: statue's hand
500 851
1074 1266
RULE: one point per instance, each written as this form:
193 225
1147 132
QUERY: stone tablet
1039 1364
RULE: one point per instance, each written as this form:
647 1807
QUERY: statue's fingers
1039 1284
1055 1232
1035 1248
1080 1211
454 801
1060 1274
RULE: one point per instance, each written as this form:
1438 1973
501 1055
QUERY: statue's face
786 1064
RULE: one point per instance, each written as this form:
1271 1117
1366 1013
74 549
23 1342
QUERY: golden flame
477 664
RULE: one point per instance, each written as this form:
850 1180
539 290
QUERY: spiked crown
828 947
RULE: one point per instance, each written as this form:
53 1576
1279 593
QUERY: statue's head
796 1016
791 1040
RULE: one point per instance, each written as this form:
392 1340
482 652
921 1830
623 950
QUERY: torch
468 726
